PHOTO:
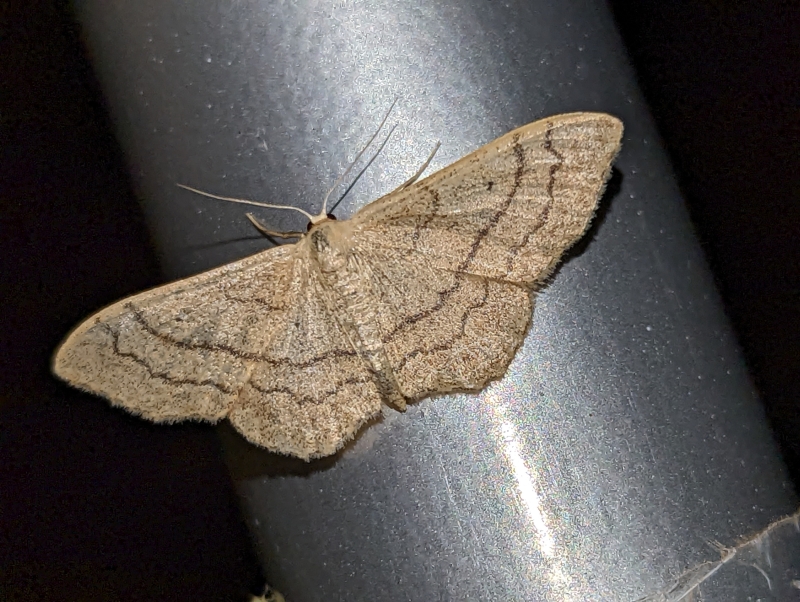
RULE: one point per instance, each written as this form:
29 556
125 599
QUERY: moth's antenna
247 202
338 181
366 167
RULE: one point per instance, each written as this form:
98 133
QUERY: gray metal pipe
626 434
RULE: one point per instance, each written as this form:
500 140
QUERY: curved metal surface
626 434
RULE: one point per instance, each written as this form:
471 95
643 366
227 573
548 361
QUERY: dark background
721 81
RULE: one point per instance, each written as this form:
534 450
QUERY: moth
427 290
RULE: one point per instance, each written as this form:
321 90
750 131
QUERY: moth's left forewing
185 349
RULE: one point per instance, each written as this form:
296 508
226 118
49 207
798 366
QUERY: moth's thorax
329 243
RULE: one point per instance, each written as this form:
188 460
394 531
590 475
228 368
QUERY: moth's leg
420 171
267 232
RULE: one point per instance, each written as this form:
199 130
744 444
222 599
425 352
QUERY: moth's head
328 241
320 219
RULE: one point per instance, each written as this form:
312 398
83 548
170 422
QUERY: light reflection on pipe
511 446
525 484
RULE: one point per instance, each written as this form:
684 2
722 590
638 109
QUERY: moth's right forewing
455 256
507 211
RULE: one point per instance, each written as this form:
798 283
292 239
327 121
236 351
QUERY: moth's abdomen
351 289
